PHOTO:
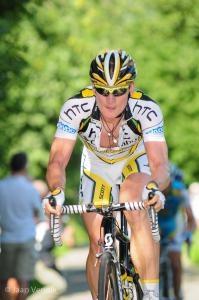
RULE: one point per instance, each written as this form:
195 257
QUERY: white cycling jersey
142 122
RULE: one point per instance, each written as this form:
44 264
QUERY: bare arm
158 161
191 223
60 153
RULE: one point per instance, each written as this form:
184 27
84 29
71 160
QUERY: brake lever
152 209
52 201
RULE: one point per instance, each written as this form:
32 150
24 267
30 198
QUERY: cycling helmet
112 68
176 173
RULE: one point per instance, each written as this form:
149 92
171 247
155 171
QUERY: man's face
112 106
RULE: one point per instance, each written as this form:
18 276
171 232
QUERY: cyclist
176 223
124 146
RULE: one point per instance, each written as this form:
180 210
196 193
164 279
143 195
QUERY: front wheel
108 284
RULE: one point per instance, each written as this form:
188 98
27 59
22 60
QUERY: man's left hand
157 201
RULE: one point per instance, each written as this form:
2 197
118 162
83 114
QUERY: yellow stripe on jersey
84 122
87 93
102 189
136 95
114 160
131 166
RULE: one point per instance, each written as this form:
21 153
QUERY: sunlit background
46 47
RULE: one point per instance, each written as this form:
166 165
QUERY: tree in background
46 48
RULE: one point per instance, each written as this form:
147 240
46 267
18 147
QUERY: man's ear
94 91
132 87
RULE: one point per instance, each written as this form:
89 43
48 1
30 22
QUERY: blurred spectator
46 271
19 205
176 223
41 187
194 198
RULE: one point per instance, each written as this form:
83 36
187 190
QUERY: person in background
194 199
176 223
19 206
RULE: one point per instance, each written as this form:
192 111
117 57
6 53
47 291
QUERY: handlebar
80 209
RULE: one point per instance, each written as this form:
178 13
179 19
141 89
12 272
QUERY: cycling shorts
100 182
179 237
175 245
17 260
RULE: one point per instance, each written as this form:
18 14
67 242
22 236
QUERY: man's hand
58 195
158 200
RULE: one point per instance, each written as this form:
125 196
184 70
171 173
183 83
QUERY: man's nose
110 98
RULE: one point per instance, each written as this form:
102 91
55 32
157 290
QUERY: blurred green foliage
194 255
45 51
80 237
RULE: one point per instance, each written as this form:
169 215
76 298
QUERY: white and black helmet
112 68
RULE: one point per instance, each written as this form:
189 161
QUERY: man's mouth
110 108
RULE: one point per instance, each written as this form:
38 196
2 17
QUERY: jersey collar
96 112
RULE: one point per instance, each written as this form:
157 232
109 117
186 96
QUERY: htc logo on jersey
76 109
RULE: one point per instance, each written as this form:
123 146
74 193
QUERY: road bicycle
166 290
166 273
118 279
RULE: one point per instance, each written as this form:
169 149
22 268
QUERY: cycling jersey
142 121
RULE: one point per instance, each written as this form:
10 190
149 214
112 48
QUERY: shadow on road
76 281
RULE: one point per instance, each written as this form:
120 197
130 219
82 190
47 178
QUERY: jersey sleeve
151 120
69 121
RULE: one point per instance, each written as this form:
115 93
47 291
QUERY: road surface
73 268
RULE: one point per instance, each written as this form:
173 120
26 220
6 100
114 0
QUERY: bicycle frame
110 235
122 261
109 238
166 286
108 244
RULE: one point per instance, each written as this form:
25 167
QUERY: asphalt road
73 268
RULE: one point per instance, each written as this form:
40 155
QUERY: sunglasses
118 91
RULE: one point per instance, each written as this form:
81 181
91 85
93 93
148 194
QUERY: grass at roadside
194 253
191 255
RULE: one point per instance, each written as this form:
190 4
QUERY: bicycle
166 290
118 279
166 272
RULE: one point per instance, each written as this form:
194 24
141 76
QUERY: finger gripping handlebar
55 228
151 194
52 201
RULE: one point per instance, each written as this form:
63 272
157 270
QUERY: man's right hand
58 195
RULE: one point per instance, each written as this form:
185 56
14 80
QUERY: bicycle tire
108 284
